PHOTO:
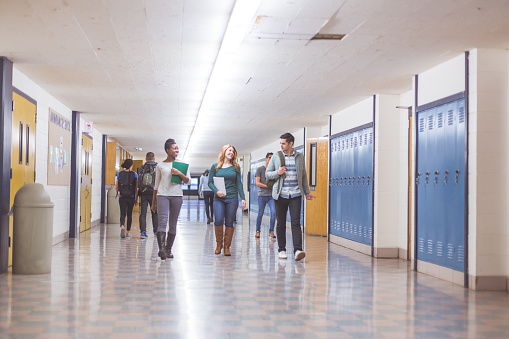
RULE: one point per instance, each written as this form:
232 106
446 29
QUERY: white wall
488 127
405 99
353 116
387 175
274 146
441 81
60 195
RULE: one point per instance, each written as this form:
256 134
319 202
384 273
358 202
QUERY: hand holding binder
182 167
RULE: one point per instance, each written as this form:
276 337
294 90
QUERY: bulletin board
59 150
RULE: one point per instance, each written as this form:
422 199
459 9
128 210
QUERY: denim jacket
302 179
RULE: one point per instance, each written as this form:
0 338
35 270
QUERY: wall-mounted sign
88 127
59 149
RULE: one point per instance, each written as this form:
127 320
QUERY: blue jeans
262 201
224 211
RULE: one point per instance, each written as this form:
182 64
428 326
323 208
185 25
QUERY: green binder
182 167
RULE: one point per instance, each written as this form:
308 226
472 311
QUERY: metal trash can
32 230
113 207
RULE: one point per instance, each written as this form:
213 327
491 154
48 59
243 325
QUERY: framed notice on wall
59 150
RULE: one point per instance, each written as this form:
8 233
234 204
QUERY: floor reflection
105 286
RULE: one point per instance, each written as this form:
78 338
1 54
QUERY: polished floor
102 286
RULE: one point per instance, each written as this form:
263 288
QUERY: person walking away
226 203
287 192
264 198
167 198
146 181
208 196
125 186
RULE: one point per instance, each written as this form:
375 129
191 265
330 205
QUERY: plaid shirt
290 185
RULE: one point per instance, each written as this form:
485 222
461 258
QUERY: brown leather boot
219 238
228 236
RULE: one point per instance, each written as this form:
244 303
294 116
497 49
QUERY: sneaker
143 235
128 235
299 255
122 232
271 234
282 255
257 235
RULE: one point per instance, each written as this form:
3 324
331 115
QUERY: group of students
287 172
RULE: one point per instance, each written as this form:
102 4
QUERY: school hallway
102 286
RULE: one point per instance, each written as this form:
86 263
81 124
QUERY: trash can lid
32 195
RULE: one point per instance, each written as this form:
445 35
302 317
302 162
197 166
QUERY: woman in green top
226 203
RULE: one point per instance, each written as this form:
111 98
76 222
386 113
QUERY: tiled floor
102 286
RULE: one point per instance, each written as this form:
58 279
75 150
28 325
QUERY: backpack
146 178
126 184
270 182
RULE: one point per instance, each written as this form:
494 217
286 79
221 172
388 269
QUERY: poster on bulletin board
59 150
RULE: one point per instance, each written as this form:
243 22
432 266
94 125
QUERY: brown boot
228 236
219 238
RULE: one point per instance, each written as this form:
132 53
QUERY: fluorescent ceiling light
240 22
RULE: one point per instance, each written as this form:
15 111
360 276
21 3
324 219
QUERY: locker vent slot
366 139
370 137
440 120
421 125
461 117
430 122
355 142
450 117
421 245
461 253
450 251
430 246
440 248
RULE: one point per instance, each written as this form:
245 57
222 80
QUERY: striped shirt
290 184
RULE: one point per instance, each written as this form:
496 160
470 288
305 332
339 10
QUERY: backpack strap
282 162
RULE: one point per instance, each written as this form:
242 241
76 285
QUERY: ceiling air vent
321 36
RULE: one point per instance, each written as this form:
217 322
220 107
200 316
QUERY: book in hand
220 185
182 167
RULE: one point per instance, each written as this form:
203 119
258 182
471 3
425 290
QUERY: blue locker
351 185
440 184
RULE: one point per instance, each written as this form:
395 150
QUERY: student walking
264 198
125 186
207 194
226 203
287 192
167 198
146 181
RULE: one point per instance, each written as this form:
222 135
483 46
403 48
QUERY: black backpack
146 178
126 186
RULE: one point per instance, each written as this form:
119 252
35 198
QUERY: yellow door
318 169
23 149
86 183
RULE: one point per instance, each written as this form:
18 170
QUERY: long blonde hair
220 160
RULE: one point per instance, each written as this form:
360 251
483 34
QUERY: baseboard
444 273
403 254
386 253
95 223
353 245
488 283
59 238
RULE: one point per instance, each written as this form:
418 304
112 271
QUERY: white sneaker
299 255
282 255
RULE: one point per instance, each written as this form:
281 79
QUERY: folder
182 167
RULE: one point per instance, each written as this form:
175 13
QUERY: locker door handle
417 178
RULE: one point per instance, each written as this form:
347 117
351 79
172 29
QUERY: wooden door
317 165
24 117
86 183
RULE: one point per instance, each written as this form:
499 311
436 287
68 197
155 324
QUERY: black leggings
126 208
208 196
